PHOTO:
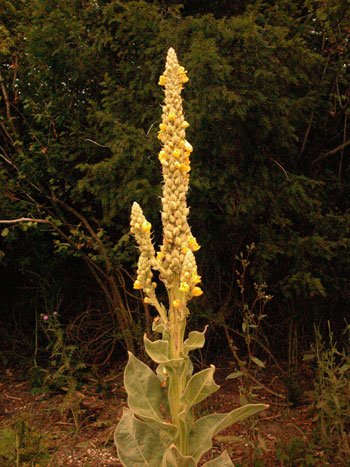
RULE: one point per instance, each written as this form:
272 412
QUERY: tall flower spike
174 386
175 160
141 229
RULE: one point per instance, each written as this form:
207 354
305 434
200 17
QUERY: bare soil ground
84 436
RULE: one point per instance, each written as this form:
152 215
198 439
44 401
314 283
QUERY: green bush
268 104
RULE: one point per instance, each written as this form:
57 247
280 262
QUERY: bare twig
332 152
307 131
24 219
97 144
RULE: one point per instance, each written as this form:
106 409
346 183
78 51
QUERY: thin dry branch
24 219
332 152
89 229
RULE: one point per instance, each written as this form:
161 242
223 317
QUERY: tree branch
333 151
24 219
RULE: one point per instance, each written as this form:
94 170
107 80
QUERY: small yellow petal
137 285
196 278
188 146
162 126
160 255
184 287
162 80
197 291
176 303
184 168
146 226
192 243
184 78
171 116
176 153
185 124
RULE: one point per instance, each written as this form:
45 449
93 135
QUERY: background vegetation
268 102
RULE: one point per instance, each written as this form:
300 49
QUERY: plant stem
177 319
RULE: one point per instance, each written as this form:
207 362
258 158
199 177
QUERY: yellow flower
184 78
192 243
137 285
162 158
162 80
160 255
196 278
146 226
176 303
197 291
171 116
184 168
176 153
162 126
185 124
188 146
184 287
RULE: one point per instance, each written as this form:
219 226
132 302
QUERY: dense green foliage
268 103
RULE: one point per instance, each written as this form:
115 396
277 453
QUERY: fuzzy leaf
221 461
143 388
182 364
206 427
200 386
195 340
138 443
258 362
157 350
234 375
173 458
159 325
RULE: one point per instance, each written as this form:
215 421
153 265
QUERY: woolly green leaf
138 443
159 325
258 362
195 340
221 461
143 388
234 375
173 458
200 386
177 364
206 427
157 350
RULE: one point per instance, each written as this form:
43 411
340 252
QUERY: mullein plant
158 428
